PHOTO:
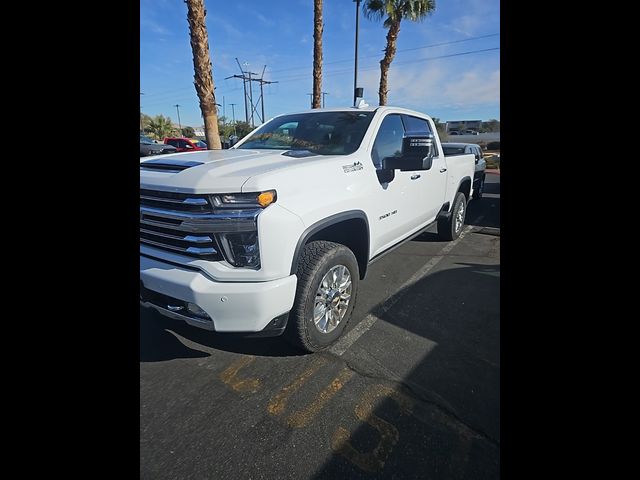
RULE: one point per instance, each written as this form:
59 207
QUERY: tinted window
183 143
173 142
388 141
417 126
453 150
323 133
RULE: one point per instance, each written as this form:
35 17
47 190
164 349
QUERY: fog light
196 310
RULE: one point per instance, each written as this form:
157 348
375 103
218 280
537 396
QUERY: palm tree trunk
385 63
317 52
203 79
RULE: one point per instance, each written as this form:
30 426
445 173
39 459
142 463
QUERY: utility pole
247 77
141 125
179 122
233 110
323 94
311 98
355 69
251 96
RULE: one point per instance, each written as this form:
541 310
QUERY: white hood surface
218 171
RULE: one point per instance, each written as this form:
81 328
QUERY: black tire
447 225
477 192
316 259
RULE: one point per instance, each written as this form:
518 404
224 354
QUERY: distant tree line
159 127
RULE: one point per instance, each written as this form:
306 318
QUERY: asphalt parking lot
411 391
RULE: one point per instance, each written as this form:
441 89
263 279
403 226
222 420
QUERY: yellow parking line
373 460
229 378
277 403
304 417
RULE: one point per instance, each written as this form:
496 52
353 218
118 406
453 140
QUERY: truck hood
214 171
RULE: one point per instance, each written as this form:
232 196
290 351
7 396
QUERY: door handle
442 170
415 177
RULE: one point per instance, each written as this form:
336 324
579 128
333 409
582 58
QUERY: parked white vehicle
274 235
479 175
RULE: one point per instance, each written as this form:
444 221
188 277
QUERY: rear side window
417 126
453 150
172 142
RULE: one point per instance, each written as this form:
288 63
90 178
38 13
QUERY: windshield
323 133
144 139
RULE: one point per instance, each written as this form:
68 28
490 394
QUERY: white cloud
434 85
475 87
155 27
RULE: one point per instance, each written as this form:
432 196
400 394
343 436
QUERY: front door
399 210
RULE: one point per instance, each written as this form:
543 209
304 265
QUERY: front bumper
231 306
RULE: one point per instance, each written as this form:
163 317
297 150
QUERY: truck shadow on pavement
158 342
448 327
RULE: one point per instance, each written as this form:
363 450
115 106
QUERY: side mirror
417 154
188 146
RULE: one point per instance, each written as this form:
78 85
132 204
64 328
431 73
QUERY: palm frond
374 9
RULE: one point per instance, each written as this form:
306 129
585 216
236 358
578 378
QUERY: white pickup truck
274 235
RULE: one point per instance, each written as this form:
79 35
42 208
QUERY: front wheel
450 228
328 278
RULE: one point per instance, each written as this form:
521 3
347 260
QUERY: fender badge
352 168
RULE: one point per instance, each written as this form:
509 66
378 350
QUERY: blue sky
279 34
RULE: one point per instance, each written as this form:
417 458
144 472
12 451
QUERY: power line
373 67
377 55
452 42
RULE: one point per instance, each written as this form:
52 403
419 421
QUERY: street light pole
141 125
355 69
233 112
179 122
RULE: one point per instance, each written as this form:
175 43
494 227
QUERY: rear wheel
450 228
328 279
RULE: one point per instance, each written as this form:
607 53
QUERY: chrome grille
187 223
168 226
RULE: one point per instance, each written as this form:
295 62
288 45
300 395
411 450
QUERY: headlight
241 249
244 200
240 245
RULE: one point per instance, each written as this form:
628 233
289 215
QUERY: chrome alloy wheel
459 217
332 299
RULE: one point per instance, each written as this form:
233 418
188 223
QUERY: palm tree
395 11
203 79
317 52
160 126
